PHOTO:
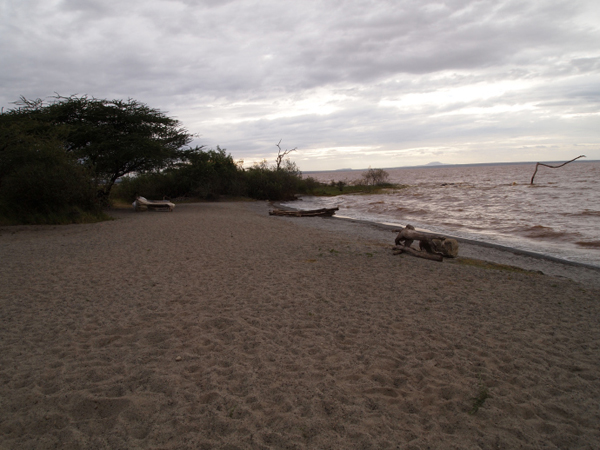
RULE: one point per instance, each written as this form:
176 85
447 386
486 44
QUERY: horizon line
434 165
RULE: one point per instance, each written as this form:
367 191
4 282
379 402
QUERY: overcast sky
349 83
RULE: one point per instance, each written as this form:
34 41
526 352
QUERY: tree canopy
111 138
60 159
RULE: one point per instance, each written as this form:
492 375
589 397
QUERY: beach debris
323 212
448 247
552 167
157 205
431 246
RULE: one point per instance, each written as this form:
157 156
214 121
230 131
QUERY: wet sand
218 326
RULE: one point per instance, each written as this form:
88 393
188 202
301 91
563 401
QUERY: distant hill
435 163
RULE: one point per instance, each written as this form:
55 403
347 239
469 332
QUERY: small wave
584 213
452 224
589 212
539 231
591 244
417 211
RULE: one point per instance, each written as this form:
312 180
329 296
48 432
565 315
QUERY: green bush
205 175
208 175
213 173
375 177
41 183
266 183
309 186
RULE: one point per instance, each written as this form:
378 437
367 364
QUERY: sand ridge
218 326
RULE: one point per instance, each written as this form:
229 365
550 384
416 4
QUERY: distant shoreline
441 165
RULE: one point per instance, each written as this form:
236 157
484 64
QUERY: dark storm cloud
384 76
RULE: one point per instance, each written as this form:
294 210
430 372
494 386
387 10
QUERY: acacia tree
111 138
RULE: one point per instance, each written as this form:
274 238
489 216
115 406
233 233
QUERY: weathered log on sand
432 247
447 247
409 233
411 251
326 212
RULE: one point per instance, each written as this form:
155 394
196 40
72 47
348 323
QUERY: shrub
205 175
266 183
375 177
213 173
39 181
309 186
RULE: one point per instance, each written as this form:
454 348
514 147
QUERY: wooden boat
323 212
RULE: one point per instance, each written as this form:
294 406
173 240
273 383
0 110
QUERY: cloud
386 77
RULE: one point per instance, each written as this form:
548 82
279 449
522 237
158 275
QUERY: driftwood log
421 254
431 246
324 212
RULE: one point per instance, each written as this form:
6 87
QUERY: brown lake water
558 216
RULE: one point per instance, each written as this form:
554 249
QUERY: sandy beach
219 326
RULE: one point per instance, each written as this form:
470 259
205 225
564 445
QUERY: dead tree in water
552 167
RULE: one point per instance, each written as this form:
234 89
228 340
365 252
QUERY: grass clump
481 397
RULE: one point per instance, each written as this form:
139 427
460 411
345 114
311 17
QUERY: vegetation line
67 160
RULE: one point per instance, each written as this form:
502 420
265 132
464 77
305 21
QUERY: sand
218 326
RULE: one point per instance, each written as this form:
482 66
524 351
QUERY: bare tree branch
282 154
552 167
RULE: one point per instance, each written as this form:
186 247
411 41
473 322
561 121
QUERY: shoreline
494 253
501 247
495 205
